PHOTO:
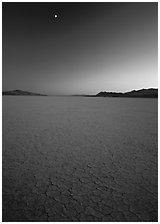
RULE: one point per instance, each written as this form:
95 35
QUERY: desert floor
80 159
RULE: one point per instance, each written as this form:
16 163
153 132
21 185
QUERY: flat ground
79 159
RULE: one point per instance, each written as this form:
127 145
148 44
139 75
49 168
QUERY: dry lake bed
80 159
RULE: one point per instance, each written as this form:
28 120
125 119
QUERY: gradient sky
88 48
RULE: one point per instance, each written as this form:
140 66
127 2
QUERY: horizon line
79 94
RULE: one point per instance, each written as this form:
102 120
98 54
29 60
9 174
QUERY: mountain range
21 93
142 93
145 93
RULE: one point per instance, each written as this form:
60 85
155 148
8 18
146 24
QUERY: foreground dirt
84 160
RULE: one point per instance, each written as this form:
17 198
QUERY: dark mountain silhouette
145 93
21 93
142 93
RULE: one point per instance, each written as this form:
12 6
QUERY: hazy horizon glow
88 48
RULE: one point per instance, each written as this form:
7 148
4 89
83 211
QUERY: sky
87 48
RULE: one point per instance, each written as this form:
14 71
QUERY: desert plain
79 159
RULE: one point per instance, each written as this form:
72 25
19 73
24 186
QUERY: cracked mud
79 159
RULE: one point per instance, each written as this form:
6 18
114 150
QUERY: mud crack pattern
69 164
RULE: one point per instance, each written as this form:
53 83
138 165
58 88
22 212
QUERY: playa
80 159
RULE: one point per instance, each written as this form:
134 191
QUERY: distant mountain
144 93
109 94
21 93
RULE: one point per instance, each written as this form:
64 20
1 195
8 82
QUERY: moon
54 17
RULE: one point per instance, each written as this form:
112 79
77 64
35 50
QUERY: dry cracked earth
67 164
